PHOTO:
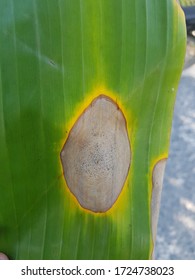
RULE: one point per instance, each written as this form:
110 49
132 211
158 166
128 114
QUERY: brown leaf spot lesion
96 156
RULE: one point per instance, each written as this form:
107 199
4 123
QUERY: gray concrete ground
176 226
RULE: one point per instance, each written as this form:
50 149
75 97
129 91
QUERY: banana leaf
56 58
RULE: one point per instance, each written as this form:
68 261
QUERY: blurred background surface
176 226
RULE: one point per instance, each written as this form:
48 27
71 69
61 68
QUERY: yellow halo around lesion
122 200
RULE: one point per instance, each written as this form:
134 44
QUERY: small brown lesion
157 184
